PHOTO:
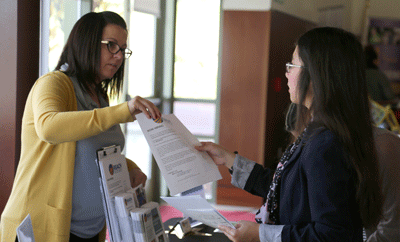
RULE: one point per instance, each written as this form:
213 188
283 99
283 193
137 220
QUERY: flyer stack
129 217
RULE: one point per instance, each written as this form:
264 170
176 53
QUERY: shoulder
54 86
319 136
58 77
55 80
322 147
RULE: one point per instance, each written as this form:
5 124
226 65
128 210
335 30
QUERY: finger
229 236
205 146
151 109
139 106
226 231
200 147
142 108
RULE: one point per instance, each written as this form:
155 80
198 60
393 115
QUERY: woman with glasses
326 185
67 118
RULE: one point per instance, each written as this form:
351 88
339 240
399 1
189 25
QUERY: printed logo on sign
111 169
158 121
127 201
114 169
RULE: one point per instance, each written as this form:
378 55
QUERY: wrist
230 166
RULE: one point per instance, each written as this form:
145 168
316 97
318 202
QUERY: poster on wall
384 36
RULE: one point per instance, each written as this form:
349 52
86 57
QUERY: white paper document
199 209
25 230
172 144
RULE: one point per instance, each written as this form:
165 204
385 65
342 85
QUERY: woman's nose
119 55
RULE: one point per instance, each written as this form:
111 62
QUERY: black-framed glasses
290 66
114 48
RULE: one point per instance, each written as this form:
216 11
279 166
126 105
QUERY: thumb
200 147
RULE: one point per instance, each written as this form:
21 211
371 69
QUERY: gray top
242 168
388 153
88 218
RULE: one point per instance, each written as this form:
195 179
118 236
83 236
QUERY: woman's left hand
245 231
137 177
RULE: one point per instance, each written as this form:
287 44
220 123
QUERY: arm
244 176
136 175
328 182
251 177
55 118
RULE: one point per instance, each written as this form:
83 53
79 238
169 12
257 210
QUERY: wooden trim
254 95
244 66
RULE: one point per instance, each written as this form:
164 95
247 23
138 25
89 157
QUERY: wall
308 9
378 8
246 5
304 9
19 66
354 10
8 91
384 8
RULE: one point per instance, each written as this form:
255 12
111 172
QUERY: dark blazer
317 194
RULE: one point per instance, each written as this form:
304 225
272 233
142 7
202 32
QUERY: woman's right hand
140 105
219 154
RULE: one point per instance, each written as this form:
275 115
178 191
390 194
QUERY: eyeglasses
290 65
114 48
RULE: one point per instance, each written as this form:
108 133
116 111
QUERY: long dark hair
335 72
83 48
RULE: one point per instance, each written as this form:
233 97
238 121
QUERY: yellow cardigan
51 125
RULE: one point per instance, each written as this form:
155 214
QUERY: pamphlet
128 214
147 224
124 203
114 180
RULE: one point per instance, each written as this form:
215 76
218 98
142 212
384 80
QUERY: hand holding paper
172 145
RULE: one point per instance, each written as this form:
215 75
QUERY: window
140 82
196 69
196 49
57 19
57 37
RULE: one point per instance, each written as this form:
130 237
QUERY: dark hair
83 48
335 72
370 56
